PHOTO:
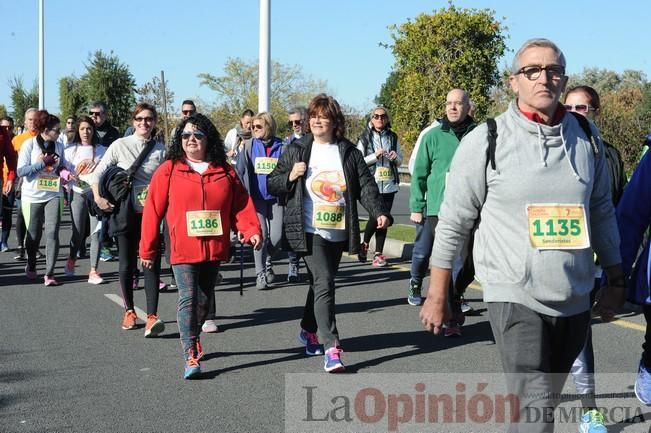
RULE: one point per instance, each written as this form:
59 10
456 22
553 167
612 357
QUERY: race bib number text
204 223
557 226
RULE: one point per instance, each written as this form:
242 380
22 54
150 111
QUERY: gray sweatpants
36 215
537 352
271 221
81 217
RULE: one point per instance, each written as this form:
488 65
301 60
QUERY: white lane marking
115 298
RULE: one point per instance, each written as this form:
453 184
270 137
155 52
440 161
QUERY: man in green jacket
430 175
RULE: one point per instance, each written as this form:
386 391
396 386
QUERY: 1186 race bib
204 223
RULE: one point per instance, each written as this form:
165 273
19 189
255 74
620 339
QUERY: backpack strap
492 141
585 125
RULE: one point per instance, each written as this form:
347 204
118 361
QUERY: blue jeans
421 252
194 281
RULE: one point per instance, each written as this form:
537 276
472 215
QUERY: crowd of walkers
525 202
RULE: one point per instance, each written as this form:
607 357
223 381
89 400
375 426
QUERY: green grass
401 232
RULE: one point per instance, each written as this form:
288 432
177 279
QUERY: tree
237 90
625 113
3 111
110 81
71 100
152 93
451 48
22 99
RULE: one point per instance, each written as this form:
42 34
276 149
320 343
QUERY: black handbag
115 183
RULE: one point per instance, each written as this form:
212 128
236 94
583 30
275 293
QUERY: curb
392 248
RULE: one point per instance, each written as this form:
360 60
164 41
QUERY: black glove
50 159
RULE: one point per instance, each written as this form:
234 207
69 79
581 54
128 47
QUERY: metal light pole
41 56
264 71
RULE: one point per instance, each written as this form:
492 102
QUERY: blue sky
334 40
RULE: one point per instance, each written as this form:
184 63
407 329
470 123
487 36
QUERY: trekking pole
241 267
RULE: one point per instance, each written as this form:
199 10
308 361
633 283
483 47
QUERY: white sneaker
209 326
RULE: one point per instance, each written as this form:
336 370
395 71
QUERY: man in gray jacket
542 211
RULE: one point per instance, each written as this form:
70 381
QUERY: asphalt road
400 209
67 366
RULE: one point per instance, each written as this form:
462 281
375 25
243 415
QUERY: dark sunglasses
94 113
294 122
579 108
258 126
143 119
379 116
188 112
57 130
196 134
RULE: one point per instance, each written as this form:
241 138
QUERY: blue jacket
634 220
256 184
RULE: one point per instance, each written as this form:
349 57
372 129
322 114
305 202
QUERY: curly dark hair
215 152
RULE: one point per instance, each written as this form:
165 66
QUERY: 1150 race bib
265 165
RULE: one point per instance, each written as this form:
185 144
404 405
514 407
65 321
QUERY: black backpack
492 137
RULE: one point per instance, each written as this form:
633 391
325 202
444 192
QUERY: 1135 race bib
558 227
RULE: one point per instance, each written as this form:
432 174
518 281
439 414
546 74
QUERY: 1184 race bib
47 183
204 223
558 226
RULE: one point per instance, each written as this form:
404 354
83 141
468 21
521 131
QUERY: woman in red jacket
201 198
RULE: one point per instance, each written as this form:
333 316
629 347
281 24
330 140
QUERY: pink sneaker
70 267
50 281
379 261
95 278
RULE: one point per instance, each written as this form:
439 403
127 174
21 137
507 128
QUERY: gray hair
100 105
298 110
30 110
536 42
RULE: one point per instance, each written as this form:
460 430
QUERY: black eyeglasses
579 108
257 126
380 116
56 130
196 134
555 72
94 113
188 112
295 122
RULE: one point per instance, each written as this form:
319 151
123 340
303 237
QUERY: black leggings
128 244
371 225
646 354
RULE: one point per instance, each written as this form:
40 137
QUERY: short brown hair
329 107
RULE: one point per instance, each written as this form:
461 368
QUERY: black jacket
360 186
367 141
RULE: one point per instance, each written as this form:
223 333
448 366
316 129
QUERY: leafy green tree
22 99
237 90
71 100
110 81
451 48
3 111
625 115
